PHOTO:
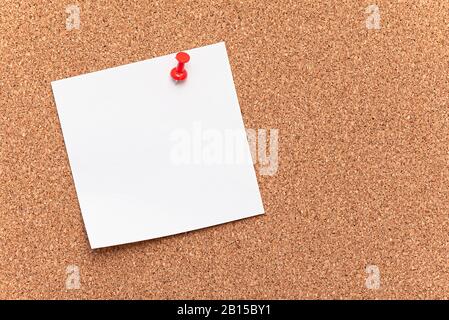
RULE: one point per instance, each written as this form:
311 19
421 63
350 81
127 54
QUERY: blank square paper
151 157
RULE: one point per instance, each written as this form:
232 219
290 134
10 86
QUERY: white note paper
151 157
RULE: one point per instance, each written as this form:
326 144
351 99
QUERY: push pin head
178 73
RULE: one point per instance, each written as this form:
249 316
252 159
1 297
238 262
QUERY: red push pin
179 73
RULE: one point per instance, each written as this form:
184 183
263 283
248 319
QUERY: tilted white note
151 157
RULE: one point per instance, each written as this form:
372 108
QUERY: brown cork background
363 172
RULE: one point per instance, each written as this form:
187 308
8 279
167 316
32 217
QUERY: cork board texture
354 95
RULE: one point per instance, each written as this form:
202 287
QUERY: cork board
357 206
